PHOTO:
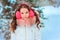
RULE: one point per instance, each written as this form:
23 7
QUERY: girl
25 24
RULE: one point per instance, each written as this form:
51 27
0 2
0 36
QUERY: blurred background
49 15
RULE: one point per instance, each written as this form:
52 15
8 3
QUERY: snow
52 24
4 26
1 36
1 7
8 7
50 10
12 1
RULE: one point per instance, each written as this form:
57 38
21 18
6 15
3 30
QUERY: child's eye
26 12
22 13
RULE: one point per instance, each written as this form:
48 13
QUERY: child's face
24 13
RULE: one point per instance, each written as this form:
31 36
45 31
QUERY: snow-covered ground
52 27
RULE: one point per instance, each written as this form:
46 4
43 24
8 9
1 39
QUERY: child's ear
18 15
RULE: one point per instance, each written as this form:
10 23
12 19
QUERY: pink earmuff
31 13
18 14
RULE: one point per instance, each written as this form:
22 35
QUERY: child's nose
24 14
